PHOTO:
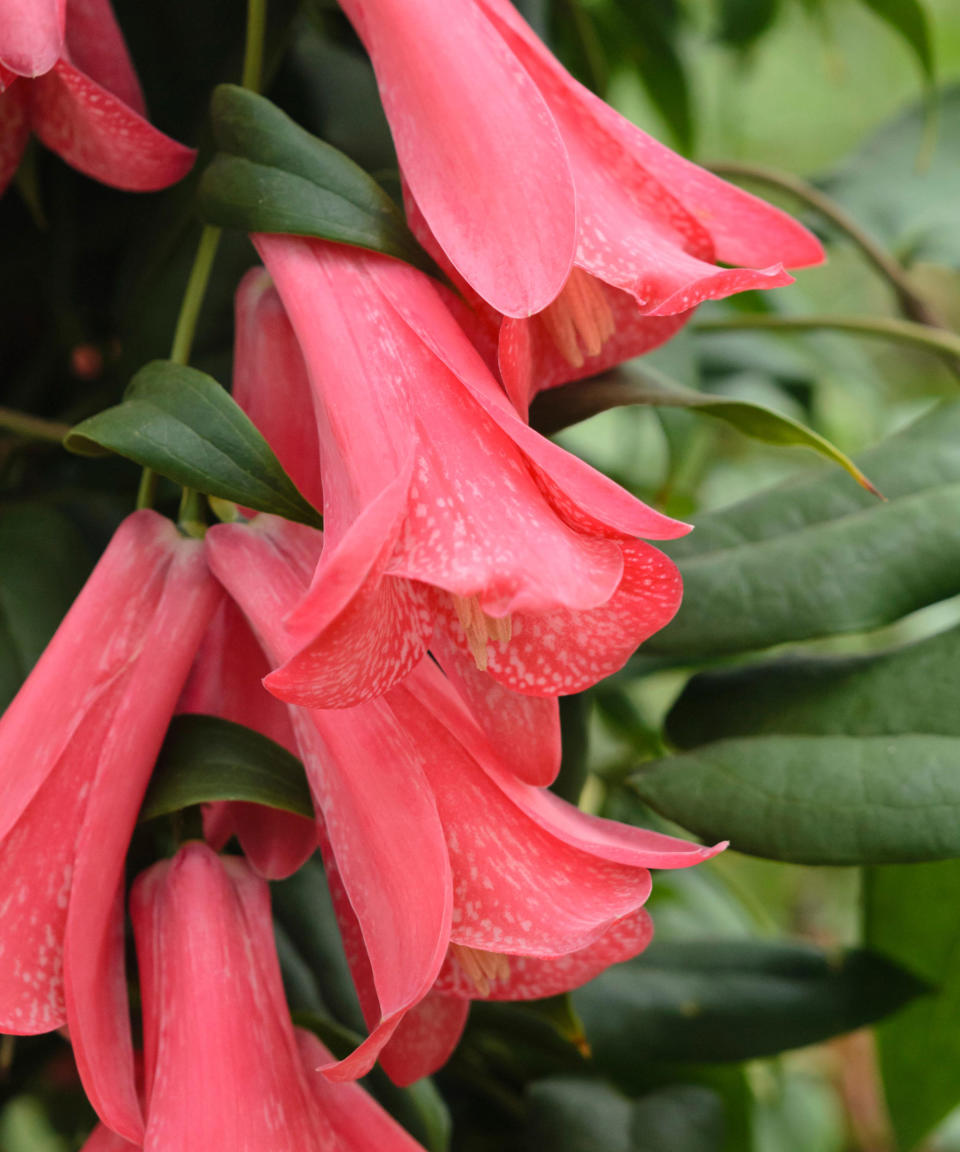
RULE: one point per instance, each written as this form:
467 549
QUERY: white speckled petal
97 133
534 977
222 1067
95 45
425 1039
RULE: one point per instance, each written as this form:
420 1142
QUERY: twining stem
937 340
32 427
912 305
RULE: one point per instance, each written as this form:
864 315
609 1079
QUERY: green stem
32 427
253 49
939 341
913 306
193 297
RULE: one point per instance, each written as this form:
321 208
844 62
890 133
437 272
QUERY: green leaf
911 688
205 758
43 563
558 408
911 915
719 1000
571 1115
819 556
743 22
910 20
270 175
816 799
181 423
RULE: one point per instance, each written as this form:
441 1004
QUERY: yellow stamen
579 321
481 968
478 628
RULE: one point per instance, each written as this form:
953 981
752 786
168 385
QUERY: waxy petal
270 381
104 1139
461 111
367 778
535 977
216 1024
14 130
356 1118
100 135
96 46
425 1039
562 652
31 35
523 730
742 228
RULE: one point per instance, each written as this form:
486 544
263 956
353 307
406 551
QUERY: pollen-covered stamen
481 968
579 321
478 628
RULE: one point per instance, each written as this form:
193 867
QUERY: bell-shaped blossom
448 521
546 202
448 872
77 746
270 383
223 1066
65 75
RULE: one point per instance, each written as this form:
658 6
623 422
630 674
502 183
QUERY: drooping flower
65 75
448 521
77 746
547 203
222 1069
270 383
444 866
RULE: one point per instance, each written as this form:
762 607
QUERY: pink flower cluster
469 573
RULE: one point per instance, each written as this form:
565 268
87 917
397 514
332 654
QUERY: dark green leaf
820 556
205 758
913 688
182 424
651 50
557 408
571 1115
270 175
742 22
909 18
911 915
43 563
816 799
719 1000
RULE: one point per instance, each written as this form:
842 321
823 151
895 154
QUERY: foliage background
699 1046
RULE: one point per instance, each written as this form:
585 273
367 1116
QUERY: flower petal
100 135
31 35
461 112
534 977
425 1039
357 1119
104 1139
216 1024
95 46
523 730
270 381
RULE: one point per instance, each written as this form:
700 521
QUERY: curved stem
32 427
939 341
913 306
193 297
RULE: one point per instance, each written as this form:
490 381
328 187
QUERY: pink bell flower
77 747
449 522
217 1028
547 203
448 872
65 75
270 383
